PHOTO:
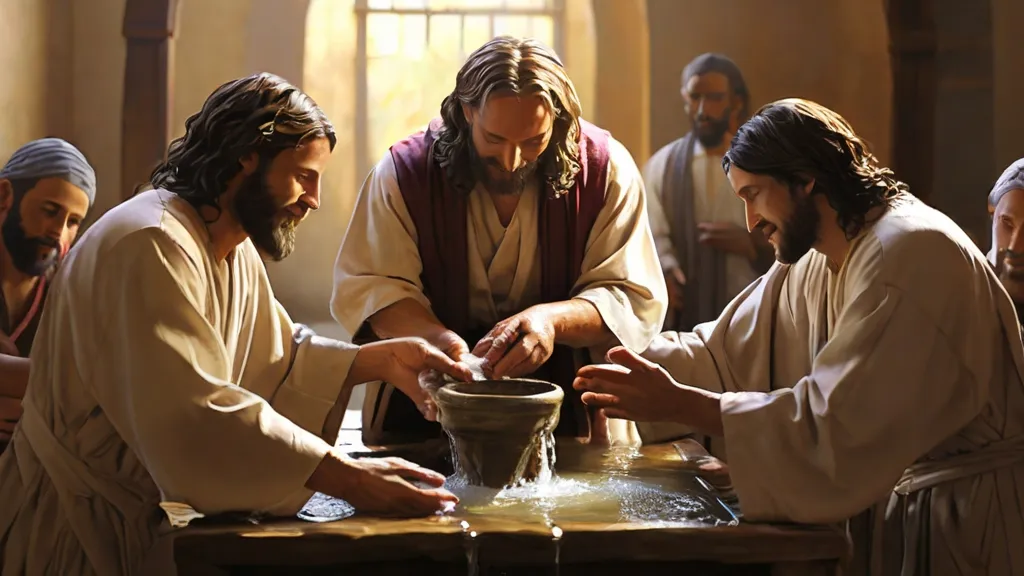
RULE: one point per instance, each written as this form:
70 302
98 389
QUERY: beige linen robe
379 263
901 369
159 374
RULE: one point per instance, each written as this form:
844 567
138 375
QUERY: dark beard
711 136
799 232
24 250
510 184
272 231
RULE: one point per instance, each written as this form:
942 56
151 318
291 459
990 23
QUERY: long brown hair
517 66
795 140
261 113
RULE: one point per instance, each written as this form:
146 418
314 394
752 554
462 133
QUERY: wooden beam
148 86
913 50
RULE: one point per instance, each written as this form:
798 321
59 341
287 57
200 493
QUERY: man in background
706 253
46 188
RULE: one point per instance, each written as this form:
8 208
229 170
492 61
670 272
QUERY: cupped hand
631 388
408 358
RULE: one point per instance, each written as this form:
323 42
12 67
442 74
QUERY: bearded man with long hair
168 382
877 366
510 229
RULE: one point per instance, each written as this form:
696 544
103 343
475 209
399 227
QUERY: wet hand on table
631 388
381 486
634 388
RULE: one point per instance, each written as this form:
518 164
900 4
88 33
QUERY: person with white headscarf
1006 203
46 189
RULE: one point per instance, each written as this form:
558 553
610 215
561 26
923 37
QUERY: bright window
409 51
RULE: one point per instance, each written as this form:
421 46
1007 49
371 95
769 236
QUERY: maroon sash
439 214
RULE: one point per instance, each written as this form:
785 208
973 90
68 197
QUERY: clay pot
497 426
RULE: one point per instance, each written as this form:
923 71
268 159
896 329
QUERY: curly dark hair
795 141
261 113
508 65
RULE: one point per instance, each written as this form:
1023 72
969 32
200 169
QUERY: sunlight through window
414 48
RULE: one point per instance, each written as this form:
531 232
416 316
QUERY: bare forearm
369 365
703 411
696 408
577 323
406 318
13 376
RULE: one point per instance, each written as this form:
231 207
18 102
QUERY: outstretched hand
631 388
634 388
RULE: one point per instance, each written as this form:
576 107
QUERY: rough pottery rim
537 392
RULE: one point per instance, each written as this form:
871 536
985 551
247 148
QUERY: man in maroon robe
508 225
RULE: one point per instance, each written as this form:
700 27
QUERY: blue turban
1012 179
51 158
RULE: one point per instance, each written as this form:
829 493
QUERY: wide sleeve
300 373
163 378
735 351
621 274
887 388
653 176
379 261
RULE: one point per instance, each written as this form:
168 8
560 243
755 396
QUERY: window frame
555 9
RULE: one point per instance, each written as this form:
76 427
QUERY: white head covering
51 158
1012 179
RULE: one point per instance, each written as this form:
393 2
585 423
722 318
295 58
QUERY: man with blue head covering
46 188
1006 203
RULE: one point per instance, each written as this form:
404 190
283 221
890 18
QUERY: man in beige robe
509 171
878 360
166 375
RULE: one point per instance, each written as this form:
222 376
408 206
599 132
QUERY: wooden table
383 547
440 545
